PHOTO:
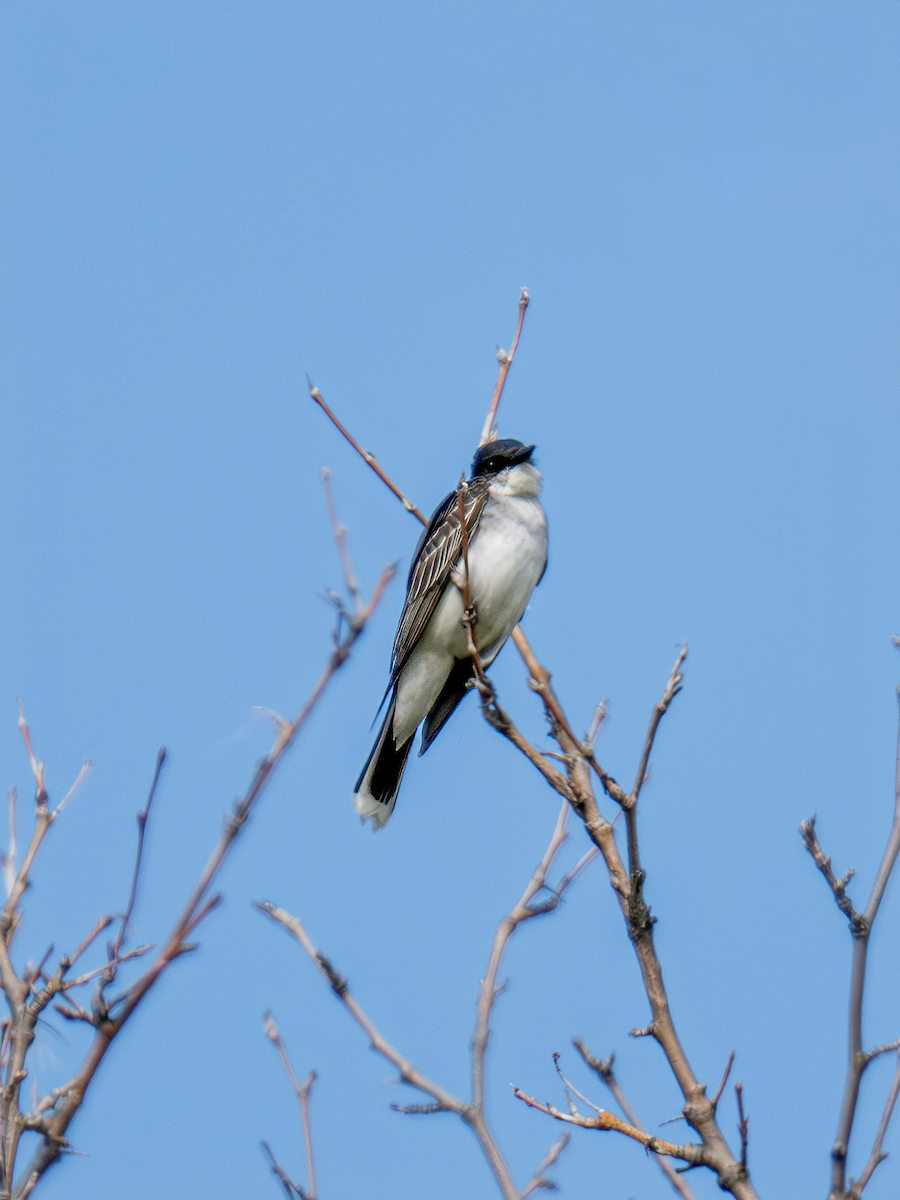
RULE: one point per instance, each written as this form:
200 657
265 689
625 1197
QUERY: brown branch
409 1073
886 1048
340 536
604 1120
472 1112
369 458
85 767
718 1096
291 1188
878 1155
521 911
103 923
142 826
744 1122
838 886
539 1179
671 690
138 952
110 1017
628 887
302 1091
604 1068
489 433
861 928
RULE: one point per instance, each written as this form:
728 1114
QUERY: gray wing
437 553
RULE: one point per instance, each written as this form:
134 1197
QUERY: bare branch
369 458
878 1155
718 1096
103 923
488 433
539 1180
302 1091
472 1113
744 1122
109 1023
142 826
628 887
838 886
37 768
694 1154
671 690
85 767
599 716
520 912
604 1068
861 928
340 536
138 952
338 984
886 1048
291 1189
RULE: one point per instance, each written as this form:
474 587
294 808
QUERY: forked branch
536 900
604 1069
26 1000
301 1090
858 1057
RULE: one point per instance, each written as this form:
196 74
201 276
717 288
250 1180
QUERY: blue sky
201 203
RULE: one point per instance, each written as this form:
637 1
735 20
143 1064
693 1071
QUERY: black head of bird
495 457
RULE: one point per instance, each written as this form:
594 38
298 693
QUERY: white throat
522 480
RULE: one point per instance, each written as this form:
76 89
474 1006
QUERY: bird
431 667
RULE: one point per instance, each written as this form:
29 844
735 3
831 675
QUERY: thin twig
338 984
473 1112
142 826
604 1120
521 911
291 1189
488 433
85 767
604 1068
539 1179
671 690
340 536
103 923
838 886
718 1096
301 1090
878 1155
861 928
109 1017
744 1122
369 458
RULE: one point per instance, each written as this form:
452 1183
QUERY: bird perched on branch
431 667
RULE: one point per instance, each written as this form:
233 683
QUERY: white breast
507 557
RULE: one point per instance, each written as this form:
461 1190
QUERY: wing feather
437 553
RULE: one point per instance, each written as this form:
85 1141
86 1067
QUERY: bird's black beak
522 456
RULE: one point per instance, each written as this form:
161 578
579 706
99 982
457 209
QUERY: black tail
377 787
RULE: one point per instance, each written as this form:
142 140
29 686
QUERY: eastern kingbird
431 668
